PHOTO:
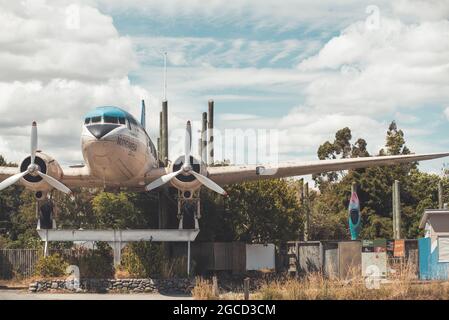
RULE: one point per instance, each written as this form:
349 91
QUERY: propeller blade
162 180
12 179
33 141
54 183
188 144
209 183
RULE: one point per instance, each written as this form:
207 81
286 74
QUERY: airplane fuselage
115 147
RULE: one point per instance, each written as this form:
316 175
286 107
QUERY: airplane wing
6 172
81 177
234 174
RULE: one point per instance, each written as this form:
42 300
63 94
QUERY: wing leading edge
81 177
234 174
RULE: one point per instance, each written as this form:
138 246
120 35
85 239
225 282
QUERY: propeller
187 169
34 169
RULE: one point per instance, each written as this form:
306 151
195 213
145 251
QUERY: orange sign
399 248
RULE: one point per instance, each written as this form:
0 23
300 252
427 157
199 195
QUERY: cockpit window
96 119
87 121
121 120
132 120
109 119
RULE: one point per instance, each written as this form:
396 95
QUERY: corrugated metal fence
22 262
18 262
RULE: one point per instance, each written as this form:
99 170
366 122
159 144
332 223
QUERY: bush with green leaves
93 264
51 266
143 259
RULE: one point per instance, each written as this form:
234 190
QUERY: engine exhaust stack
210 123
143 115
164 133
203 149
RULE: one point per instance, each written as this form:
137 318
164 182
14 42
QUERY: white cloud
422 9
358 79
378 71
53 73
259 15
446 112
214 52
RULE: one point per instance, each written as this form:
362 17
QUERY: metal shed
434 247
334 258
341 259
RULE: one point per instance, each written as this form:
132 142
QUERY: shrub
143 259
93 264
176 267
51 266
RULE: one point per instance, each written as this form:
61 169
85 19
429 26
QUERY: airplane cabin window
96 119
87 121
109 119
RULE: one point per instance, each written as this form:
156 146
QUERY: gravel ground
25 295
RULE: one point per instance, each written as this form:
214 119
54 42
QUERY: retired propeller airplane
119 153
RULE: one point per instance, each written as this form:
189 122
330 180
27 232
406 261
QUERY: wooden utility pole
393 208
396 210
307 211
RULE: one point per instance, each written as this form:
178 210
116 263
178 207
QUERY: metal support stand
117 239
194 199
46 249
188 258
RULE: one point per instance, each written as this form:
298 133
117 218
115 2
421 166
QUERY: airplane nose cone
100 130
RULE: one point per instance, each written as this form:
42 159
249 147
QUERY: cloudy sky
308 68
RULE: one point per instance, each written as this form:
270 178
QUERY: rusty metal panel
349 258
238 257
203 255
309 256
399 248
221 254
412 255
330 256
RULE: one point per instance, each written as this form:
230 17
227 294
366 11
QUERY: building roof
432 212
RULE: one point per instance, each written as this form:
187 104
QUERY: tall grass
204 290
401 285
316 286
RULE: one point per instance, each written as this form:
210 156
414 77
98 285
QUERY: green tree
418 191
264 211
116 211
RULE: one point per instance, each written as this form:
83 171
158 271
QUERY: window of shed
443 249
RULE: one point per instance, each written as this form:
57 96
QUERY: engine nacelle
47 165
186 182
